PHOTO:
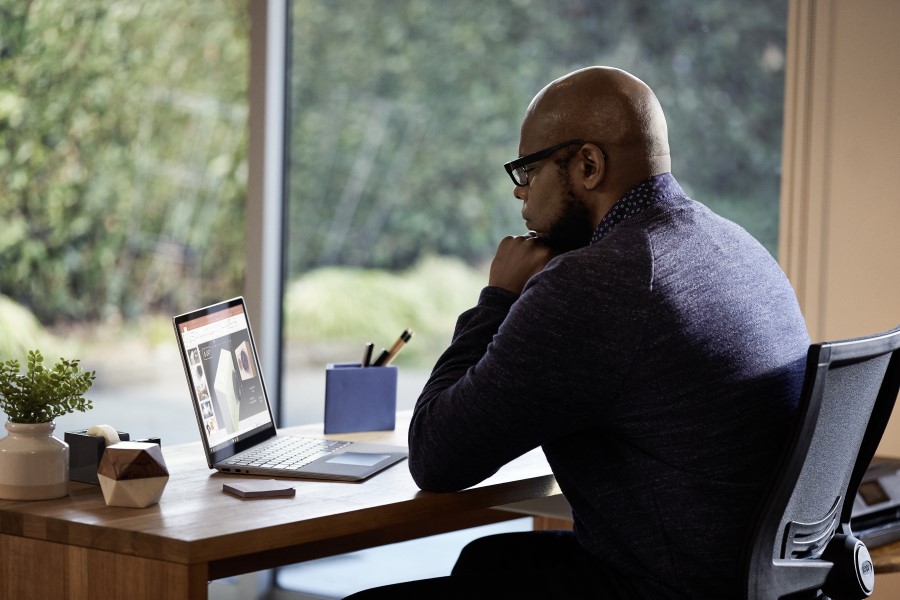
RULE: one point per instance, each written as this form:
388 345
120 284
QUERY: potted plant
34 465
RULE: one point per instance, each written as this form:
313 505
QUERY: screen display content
224 372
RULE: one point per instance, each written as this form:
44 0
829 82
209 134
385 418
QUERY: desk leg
32 568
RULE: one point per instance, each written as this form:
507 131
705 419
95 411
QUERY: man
654 350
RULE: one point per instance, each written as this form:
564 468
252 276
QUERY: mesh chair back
848 394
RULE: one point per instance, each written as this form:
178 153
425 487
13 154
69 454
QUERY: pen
398 345
367 356
379 362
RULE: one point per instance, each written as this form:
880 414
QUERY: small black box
85 452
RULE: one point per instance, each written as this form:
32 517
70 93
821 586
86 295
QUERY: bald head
608 107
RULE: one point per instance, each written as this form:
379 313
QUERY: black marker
367 356
379 362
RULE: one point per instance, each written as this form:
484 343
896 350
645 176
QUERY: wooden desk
886 559
77 547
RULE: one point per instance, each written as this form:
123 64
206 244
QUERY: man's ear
593 166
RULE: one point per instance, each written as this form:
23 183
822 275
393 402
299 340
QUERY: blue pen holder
360 399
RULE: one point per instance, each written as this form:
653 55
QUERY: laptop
234 414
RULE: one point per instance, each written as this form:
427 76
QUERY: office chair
801 544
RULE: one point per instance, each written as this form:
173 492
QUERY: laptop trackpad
358 459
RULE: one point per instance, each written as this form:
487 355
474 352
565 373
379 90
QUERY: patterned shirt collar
636 200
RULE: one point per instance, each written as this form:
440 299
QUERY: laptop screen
223 372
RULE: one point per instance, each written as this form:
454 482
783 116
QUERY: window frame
266 207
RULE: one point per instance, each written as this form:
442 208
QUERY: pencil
398 346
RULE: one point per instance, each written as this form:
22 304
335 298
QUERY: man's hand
517 259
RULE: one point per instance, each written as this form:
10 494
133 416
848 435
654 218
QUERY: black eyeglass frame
515 165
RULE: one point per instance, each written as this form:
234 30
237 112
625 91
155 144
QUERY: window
123 151
402 114
122 178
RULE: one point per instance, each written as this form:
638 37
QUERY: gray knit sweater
659 369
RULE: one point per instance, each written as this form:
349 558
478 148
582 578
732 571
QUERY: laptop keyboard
286 453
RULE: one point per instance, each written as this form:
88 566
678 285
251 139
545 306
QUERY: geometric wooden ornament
132 474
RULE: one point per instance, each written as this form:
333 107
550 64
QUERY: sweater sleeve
509 381
444 391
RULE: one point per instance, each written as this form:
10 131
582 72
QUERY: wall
841 168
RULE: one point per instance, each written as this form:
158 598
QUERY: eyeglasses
517 168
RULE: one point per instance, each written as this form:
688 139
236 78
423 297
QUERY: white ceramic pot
34 465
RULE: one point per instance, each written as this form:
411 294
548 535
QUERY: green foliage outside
123 146
349 307
28 331
122 154
404 112
39 394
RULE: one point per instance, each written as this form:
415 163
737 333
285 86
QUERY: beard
573 227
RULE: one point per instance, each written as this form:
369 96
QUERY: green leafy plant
40 395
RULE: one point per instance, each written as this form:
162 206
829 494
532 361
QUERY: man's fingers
517 259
